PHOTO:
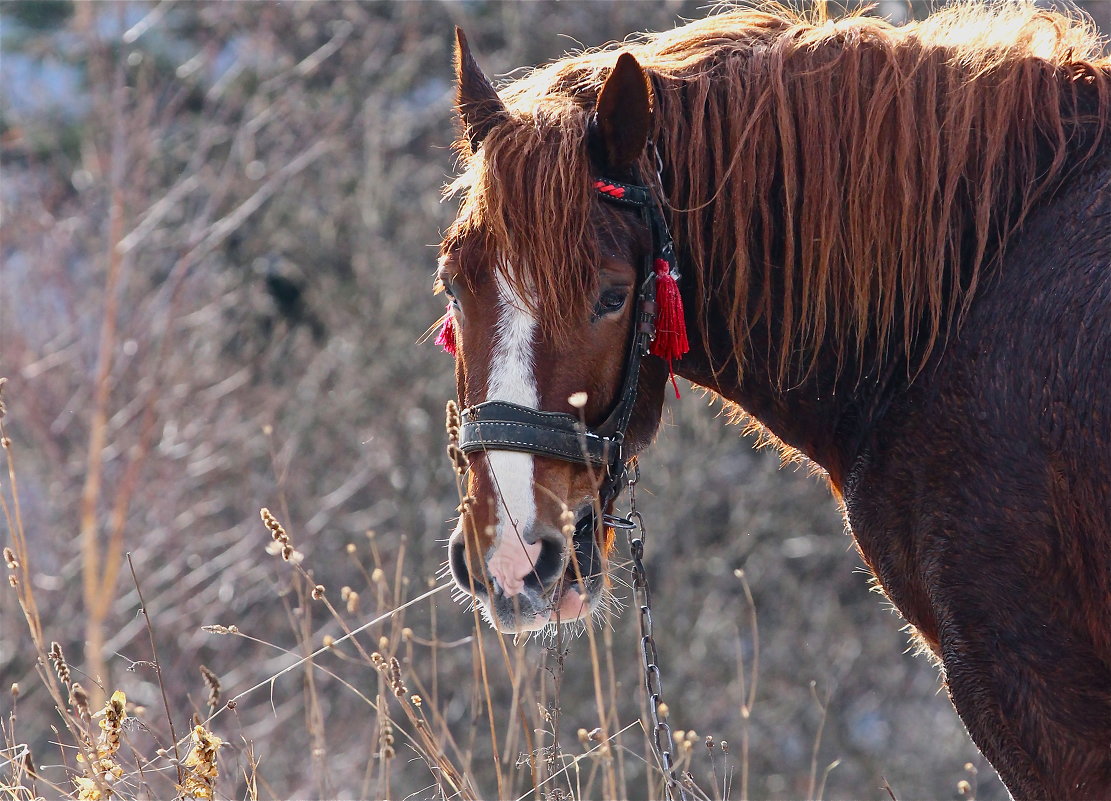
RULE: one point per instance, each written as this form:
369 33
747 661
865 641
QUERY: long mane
874 170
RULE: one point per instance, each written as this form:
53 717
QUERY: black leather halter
502 426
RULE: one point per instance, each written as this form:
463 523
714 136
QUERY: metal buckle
623 523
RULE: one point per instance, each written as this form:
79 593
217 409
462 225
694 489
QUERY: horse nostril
549 565
457 561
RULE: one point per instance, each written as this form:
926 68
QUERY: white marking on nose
512 379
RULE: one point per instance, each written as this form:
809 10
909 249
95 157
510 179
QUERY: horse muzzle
564 584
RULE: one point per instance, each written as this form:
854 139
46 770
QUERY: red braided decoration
609 189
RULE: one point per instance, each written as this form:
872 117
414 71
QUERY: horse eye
441 285
609 301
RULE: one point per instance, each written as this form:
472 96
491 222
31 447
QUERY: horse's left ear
624 113
476 100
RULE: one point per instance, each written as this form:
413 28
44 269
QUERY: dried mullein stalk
201 765
104 771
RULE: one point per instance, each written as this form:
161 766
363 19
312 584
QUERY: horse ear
478 104
624 113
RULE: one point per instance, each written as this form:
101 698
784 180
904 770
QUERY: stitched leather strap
499 425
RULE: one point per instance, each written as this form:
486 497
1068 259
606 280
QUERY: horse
888 246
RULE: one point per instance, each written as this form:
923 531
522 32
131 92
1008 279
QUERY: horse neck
824 413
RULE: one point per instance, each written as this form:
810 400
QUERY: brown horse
893 246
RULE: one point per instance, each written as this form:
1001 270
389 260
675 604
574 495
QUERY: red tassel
446 337
671 328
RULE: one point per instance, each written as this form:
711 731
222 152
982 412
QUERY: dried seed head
350 547
595 735
216 628
396 684
383 643
584 736
328 641
709 741
385 739
79 698
271 522
58 661
458 459
15 689
10 560
212 681
567 522
352 602
452 421
416 700
377 575
963 787
406 634
662 710
13 581
724 746
318 592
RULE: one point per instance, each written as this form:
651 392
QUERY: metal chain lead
662 740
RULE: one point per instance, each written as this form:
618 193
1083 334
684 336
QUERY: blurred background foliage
219 227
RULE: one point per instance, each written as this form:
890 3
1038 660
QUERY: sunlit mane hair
874 170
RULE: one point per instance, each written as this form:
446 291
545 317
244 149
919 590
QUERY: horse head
552 342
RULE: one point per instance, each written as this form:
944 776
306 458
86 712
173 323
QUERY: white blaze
512 379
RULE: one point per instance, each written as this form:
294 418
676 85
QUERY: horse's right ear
477 102
623 115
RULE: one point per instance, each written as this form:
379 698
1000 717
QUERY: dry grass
131 756
383 667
